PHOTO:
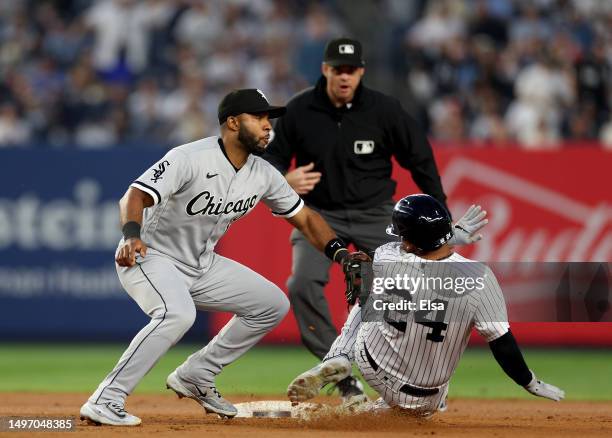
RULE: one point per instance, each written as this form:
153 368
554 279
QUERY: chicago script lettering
208 205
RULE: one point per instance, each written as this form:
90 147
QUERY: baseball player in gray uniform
173 215
409 354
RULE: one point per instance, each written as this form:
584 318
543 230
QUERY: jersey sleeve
280 197
491 317
377 254
165 177
376 263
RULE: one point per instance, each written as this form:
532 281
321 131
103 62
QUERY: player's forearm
507 353
317 231
319 234
131 206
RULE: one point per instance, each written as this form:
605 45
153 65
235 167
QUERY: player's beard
250 141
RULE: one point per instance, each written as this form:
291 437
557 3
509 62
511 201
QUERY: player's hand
541 389
126 256
302 179
466 229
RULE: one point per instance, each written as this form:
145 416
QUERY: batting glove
465 229
541 389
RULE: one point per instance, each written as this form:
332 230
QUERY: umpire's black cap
343 51
250 101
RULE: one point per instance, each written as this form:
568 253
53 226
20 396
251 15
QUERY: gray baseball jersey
423 347
198 194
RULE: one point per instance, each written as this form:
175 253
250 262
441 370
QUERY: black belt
406 388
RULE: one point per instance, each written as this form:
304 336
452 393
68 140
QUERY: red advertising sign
542 206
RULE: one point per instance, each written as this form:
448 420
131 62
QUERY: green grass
584 374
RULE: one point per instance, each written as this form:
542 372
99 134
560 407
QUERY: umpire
343 136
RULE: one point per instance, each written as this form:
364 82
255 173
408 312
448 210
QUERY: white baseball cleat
443 407
110 413
308 384
380 405
208 397
352 392
376 406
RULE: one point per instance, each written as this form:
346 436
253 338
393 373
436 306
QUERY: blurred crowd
92 74
96 73
536 72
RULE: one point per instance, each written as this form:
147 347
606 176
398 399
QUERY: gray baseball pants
366 229
170 293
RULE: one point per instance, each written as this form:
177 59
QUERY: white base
275 409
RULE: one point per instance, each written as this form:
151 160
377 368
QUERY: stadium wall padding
59 229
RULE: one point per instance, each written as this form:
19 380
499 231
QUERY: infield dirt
166 416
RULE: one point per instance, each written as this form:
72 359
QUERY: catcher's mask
421 220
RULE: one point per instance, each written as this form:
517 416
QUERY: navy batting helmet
422 221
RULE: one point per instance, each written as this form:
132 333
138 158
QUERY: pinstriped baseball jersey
423 347
198 193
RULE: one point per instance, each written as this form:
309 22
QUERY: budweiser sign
533 221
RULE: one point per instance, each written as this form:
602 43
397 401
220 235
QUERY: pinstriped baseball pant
388 386
350 343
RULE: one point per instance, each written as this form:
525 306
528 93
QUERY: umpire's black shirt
352 147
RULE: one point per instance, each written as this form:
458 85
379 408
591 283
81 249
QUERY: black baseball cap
250 101
343 51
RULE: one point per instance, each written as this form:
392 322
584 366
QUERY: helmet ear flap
392 230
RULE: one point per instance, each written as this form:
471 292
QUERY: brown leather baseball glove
351 265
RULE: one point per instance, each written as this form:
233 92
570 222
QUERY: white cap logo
346 49
263 95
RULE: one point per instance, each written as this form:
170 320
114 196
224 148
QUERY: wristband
131 230
335 249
